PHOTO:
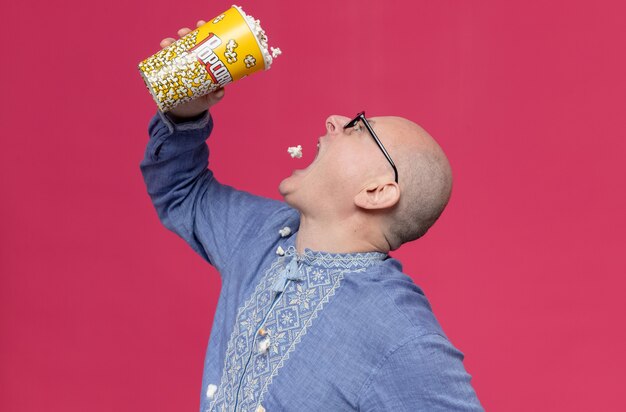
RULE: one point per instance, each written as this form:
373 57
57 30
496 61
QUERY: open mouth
317 152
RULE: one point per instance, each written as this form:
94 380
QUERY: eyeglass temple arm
395 171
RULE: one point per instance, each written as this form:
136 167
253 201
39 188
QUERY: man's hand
198 105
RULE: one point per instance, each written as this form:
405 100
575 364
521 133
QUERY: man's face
346 161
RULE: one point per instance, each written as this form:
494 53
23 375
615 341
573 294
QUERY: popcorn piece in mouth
295 151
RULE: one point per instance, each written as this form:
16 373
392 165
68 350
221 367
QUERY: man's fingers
218 93
167 41
181 33
215 96
184 31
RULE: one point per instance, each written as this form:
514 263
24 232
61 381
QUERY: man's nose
335 123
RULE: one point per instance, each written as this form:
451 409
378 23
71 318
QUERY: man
314 315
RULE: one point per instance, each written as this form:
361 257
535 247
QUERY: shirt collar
336 260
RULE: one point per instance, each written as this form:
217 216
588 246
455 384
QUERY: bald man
314 315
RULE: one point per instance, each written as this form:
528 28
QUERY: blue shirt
315 331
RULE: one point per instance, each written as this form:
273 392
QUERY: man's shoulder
402 308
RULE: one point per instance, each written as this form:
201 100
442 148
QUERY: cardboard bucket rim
265 53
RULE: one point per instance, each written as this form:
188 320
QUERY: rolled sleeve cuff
199 122
169 139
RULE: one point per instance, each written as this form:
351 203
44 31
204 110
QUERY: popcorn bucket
227 48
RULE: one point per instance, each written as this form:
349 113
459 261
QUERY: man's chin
289 186
286 187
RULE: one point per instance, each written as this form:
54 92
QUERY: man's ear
378 196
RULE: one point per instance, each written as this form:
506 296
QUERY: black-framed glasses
361 116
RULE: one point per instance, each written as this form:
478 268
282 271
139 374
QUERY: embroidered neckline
336 260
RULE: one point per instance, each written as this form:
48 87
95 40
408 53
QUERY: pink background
103 309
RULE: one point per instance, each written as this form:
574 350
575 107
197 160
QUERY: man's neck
337 237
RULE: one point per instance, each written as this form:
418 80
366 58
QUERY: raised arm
218 221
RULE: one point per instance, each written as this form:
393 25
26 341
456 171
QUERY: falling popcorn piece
264 345
210 391
284 232
295 151
275 52
280 251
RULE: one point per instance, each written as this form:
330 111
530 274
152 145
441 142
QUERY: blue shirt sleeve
422 374
216 220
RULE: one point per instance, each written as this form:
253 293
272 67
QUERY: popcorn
295 151
259 33
276 52
230 54
174 75
264 345
210 391
284 232
250 61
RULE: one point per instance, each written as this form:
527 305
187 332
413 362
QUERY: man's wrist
182 119
179 124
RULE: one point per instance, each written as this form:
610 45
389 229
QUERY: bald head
424 177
